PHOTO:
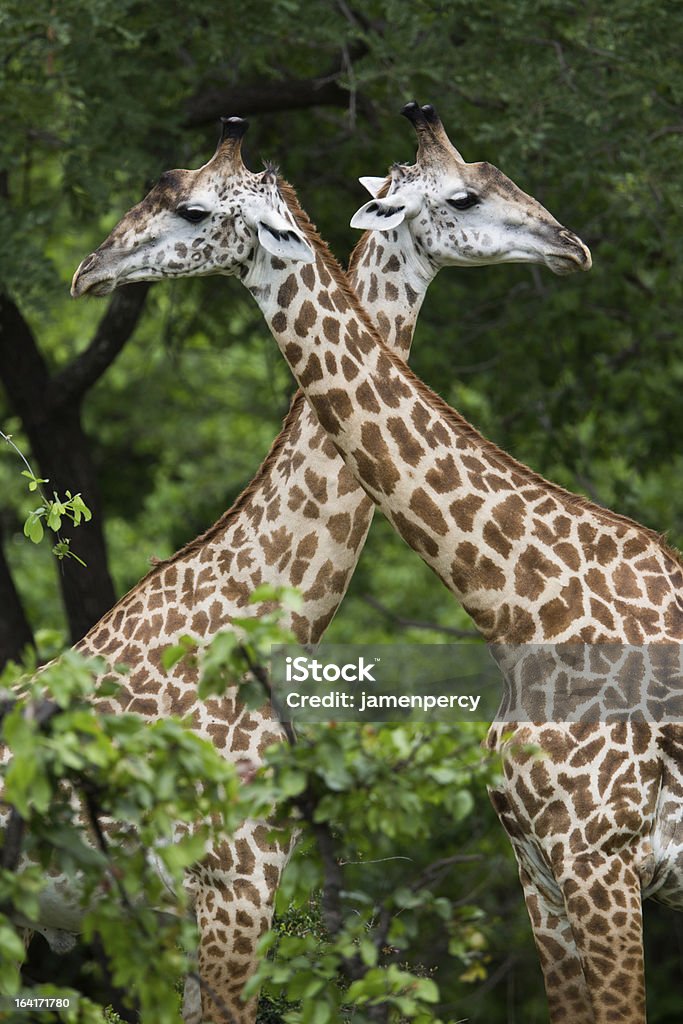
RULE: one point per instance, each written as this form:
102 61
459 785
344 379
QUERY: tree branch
399 620
228 1017
113 331
267 98
434 871
13 841
261 675
272 96
332 892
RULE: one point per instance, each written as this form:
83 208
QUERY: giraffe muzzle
580 253
87 279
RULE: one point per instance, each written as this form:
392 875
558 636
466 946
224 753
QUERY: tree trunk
15 632
61 450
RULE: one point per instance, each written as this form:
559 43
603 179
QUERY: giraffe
302 520
600 818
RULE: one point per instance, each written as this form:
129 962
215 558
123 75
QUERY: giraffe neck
390 278
509 545
304 520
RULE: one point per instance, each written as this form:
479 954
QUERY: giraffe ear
281 239
379 215
372 185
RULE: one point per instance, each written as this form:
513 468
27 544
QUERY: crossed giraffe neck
601 820
303 521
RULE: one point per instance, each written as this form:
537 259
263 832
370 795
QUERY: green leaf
187 645
54 517
11 945
368 952
34 481
183 852
33 528
292 782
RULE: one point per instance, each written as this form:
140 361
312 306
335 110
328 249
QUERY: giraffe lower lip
101 288
562 265
82 287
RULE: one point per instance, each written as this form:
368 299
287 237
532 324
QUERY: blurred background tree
159 403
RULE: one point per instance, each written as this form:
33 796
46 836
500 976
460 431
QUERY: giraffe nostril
88 262
570 237
85 272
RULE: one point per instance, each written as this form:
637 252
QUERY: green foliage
151 797
358 795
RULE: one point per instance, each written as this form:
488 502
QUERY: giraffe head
208 221
461 214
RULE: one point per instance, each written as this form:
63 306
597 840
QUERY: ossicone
434 144
228 151
421 117
233 128
430 114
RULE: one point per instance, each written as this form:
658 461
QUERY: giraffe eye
464 200
194 214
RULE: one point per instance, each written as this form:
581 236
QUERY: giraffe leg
604 908
231 918
233 895
563 977
192 998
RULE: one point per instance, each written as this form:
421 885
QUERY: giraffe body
302 521
532 564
